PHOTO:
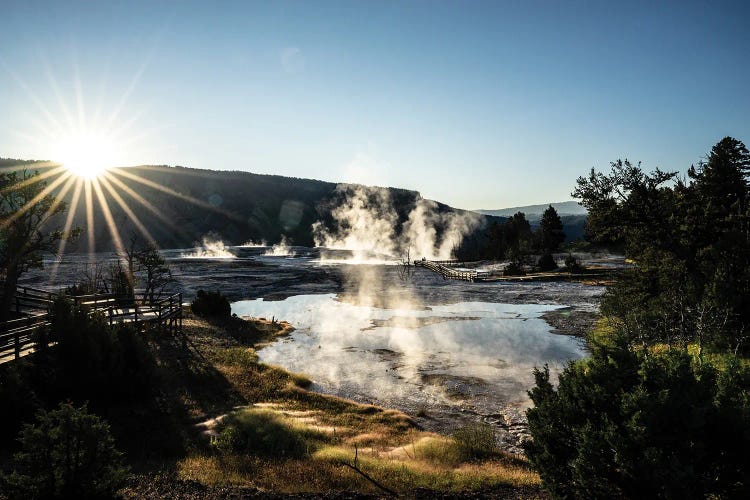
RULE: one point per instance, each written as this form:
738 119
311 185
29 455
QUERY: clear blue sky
477 104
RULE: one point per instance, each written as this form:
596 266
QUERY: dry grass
388 444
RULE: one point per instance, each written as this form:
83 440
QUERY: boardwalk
33 306
447 269
441 268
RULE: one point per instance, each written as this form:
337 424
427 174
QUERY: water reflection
470 353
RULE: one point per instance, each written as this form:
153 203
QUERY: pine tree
551 229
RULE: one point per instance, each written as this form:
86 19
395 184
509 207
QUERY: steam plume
211 247
367 222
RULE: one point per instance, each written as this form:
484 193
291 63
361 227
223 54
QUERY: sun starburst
87 153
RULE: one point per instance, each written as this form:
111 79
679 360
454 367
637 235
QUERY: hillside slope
179 206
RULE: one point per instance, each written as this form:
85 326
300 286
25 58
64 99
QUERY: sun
86 154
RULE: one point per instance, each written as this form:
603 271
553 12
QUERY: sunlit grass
388 445
606 328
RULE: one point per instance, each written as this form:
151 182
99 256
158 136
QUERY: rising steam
211 247
366 222
254 244
281 249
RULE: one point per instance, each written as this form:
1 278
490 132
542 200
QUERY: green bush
572 265
475 441
636 424
66 453
211 304
546 262
513 269
99 362
263 433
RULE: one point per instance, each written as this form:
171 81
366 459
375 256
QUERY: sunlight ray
142 228
61 195
141 200
27 166
80 105
126 95
121 130
43 132
34 179
31 95
174 193
58 94
44 192
89 217
110 221
68 226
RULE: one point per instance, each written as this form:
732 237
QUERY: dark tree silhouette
551 230
156 274
690 240
26 212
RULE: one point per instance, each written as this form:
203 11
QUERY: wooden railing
139 311
29 299
17 336
447 272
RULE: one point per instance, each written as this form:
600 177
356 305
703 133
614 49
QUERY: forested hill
179 206
234 206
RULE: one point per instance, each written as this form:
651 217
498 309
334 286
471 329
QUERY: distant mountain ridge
572 214
563 208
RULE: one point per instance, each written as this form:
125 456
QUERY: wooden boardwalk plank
17 335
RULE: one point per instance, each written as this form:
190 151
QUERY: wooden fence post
179 312
17 339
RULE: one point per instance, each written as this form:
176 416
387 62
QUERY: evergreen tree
690 242
627 424
517 239
551 230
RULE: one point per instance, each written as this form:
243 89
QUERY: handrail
17 335
27 289
446 272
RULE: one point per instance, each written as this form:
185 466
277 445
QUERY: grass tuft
265 433
475 441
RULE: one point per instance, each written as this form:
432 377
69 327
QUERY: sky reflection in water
486 351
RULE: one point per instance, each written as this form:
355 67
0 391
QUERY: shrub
513 269
66 453
262 433
237 356
211 304
475 441
96 361
572 265
546 262
439 450
637 424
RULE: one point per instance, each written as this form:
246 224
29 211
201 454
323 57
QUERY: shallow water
471 358
460 351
